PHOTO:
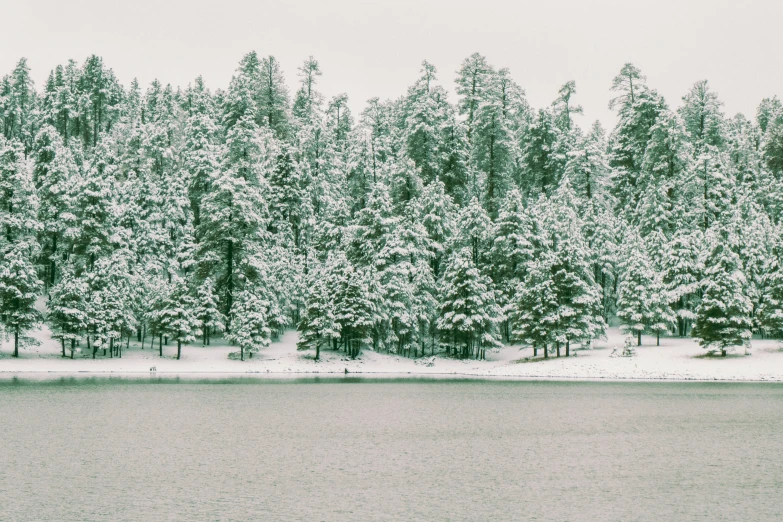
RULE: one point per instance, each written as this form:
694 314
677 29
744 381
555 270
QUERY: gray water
100 449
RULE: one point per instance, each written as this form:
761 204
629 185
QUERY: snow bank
675 359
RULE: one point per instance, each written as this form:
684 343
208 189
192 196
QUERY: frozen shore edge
380 375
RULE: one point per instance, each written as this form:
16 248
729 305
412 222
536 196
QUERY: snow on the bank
675 359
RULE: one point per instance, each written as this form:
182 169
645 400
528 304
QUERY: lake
385 449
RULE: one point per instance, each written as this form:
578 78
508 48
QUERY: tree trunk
568 348
558 348
62 343
546 351
179 349
657 338
535 350
723 353
639 338
52 262
73 348
160 345
16 342
241 352
317 351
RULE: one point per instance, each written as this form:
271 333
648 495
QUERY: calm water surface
100 449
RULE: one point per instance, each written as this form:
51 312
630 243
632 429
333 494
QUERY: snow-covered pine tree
770 314
635 289
603 232
473 83
178 315
19 283
468 311
207 310
579 299
19 287
536 305
587 166
475 231
435 210
68 308
426 114
494 139
273 100
155 313
723 319
357 308
110 285
318 325
542 168
511 250
54 171
682 272
250 328
662 318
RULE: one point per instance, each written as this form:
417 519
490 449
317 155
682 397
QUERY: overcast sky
375 48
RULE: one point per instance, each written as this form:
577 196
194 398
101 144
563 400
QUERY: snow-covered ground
675 359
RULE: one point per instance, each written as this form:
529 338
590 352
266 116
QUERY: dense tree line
418 226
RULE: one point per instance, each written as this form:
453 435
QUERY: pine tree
426 115
19 283
435 211
110 286
249 320
54 172
234 220
495 142
17 102
578 317
468 311
723 318
357 309
770 313
563 108
511 250
682 273
319 324
19 287
639 108
308 101
538 155
664 172
207 310
273 100
100 95
586 166
536 305
68 308
473 82
181 322
635 299
475 231
703 118
628 84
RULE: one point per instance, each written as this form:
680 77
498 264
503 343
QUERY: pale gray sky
375 48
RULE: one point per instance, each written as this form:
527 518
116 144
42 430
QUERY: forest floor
675 359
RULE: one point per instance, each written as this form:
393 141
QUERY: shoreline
675 360
368 375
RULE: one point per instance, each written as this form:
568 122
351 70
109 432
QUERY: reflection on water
351 448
